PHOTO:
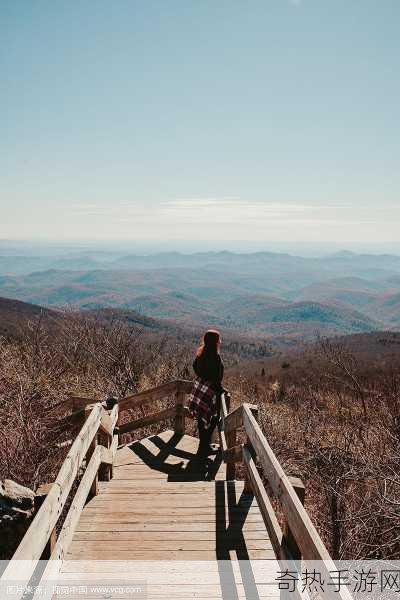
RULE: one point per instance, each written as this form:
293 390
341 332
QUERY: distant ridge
261 293
20 264
15 315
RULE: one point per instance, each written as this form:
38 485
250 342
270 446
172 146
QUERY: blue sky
265 121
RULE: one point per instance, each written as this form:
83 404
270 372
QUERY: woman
204 403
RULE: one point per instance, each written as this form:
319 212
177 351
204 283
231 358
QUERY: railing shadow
229 538
193 467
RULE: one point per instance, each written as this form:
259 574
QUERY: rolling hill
387 308
270 294
15 316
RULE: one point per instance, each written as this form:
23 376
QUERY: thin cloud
228 216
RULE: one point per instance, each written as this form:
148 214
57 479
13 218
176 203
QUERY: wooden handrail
224 413
43 525
106 425
154 394
178 388
265 506
114 416
234 420
98 426
299 533
80 404
306 535
77 505
167 413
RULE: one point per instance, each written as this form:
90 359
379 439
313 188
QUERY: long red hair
211 343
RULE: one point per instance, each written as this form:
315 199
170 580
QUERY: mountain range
264 293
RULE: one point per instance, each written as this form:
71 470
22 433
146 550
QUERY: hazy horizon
306 249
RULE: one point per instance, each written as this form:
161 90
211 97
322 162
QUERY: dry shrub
337 427
87 355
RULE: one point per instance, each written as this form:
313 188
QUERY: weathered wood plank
107 553
156 500
108 454
77 505
233 455
114 416
35 540
222 438
167 413
118 545
231 439
95 483
152 395
290 541
179 412
166 487
125 509
233 420
176 569
125 517
106 424
141 488
298 519
108 534
265 506
175 526
305 533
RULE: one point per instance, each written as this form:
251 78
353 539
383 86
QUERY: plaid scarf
203 401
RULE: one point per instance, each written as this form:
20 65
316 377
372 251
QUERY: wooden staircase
156 502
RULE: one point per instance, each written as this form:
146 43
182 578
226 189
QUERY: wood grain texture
152 510
297 518
152 395
266 508
161 415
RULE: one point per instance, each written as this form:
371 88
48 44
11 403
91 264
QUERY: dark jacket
210 368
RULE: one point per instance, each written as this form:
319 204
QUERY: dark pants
205 433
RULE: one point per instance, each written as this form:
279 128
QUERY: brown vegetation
336 424
83 355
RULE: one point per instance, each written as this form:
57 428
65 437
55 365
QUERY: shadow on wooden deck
193 466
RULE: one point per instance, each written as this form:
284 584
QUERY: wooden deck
159 506
154 513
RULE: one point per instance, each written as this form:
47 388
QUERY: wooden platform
162 519
161 505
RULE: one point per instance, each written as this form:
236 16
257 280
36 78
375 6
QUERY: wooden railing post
94 489
51 543
111 471
290 540
104 473
40 497
180 410
248 488
230 442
